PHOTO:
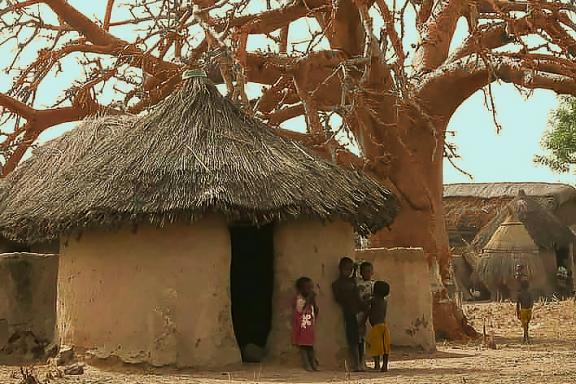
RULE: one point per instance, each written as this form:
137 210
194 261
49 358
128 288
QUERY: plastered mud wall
162 296
157 296
313 249
28 295
409 316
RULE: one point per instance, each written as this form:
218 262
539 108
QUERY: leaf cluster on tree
559 141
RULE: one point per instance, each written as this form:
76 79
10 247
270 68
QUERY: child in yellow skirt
524 308
378 340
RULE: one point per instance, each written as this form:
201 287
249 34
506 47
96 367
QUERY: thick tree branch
108 15
272 20
115 46
16 107
436 35
468 75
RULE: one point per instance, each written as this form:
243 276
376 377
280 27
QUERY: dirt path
550 359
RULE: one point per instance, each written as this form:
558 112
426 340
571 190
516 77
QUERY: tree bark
398 117
413 170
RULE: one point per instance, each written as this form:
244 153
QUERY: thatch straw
466 216
561 193
469 207
543 226
497 268
195 153
512 245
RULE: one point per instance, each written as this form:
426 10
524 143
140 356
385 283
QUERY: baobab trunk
416 147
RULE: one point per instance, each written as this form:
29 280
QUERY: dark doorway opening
251 286
563 258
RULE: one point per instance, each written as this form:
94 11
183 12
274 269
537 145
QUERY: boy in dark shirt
524 308
346 294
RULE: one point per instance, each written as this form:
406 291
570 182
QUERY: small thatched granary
470 206
528 234
182 232
512 245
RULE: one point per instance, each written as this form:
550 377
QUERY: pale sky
488 156
506 156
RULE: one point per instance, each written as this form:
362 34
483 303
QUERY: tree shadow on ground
537 343
19 361
404 354
300 376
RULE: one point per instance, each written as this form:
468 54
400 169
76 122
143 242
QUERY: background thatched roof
543 226
469 207
465 217
511 236
195 153
561 192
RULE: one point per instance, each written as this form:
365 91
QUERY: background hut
182 232
509 246
470 206
524 233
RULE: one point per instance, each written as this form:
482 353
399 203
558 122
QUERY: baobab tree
375 82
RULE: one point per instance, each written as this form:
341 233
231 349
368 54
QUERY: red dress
303 323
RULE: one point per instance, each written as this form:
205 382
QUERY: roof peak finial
192 73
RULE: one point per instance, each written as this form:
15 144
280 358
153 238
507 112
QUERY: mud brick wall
409 314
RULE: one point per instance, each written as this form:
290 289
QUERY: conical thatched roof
543 227
511 236
195 153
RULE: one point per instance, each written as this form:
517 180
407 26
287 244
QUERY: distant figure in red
304 322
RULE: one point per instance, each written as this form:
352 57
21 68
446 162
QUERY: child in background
378 340
365 285
347 295
524 308
304 321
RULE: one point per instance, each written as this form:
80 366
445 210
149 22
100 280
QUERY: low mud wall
409 314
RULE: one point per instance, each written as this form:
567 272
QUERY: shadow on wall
27 303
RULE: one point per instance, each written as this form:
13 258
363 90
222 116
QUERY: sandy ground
550 359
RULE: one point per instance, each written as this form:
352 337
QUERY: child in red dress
304 321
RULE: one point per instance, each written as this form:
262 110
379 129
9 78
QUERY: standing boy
524 308
365 285
346 294
379 337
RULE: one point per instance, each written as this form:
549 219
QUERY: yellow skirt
378 340
525 316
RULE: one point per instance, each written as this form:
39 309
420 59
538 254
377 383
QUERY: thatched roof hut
195 153
511 245
546 230
524 233
470 206
182 232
